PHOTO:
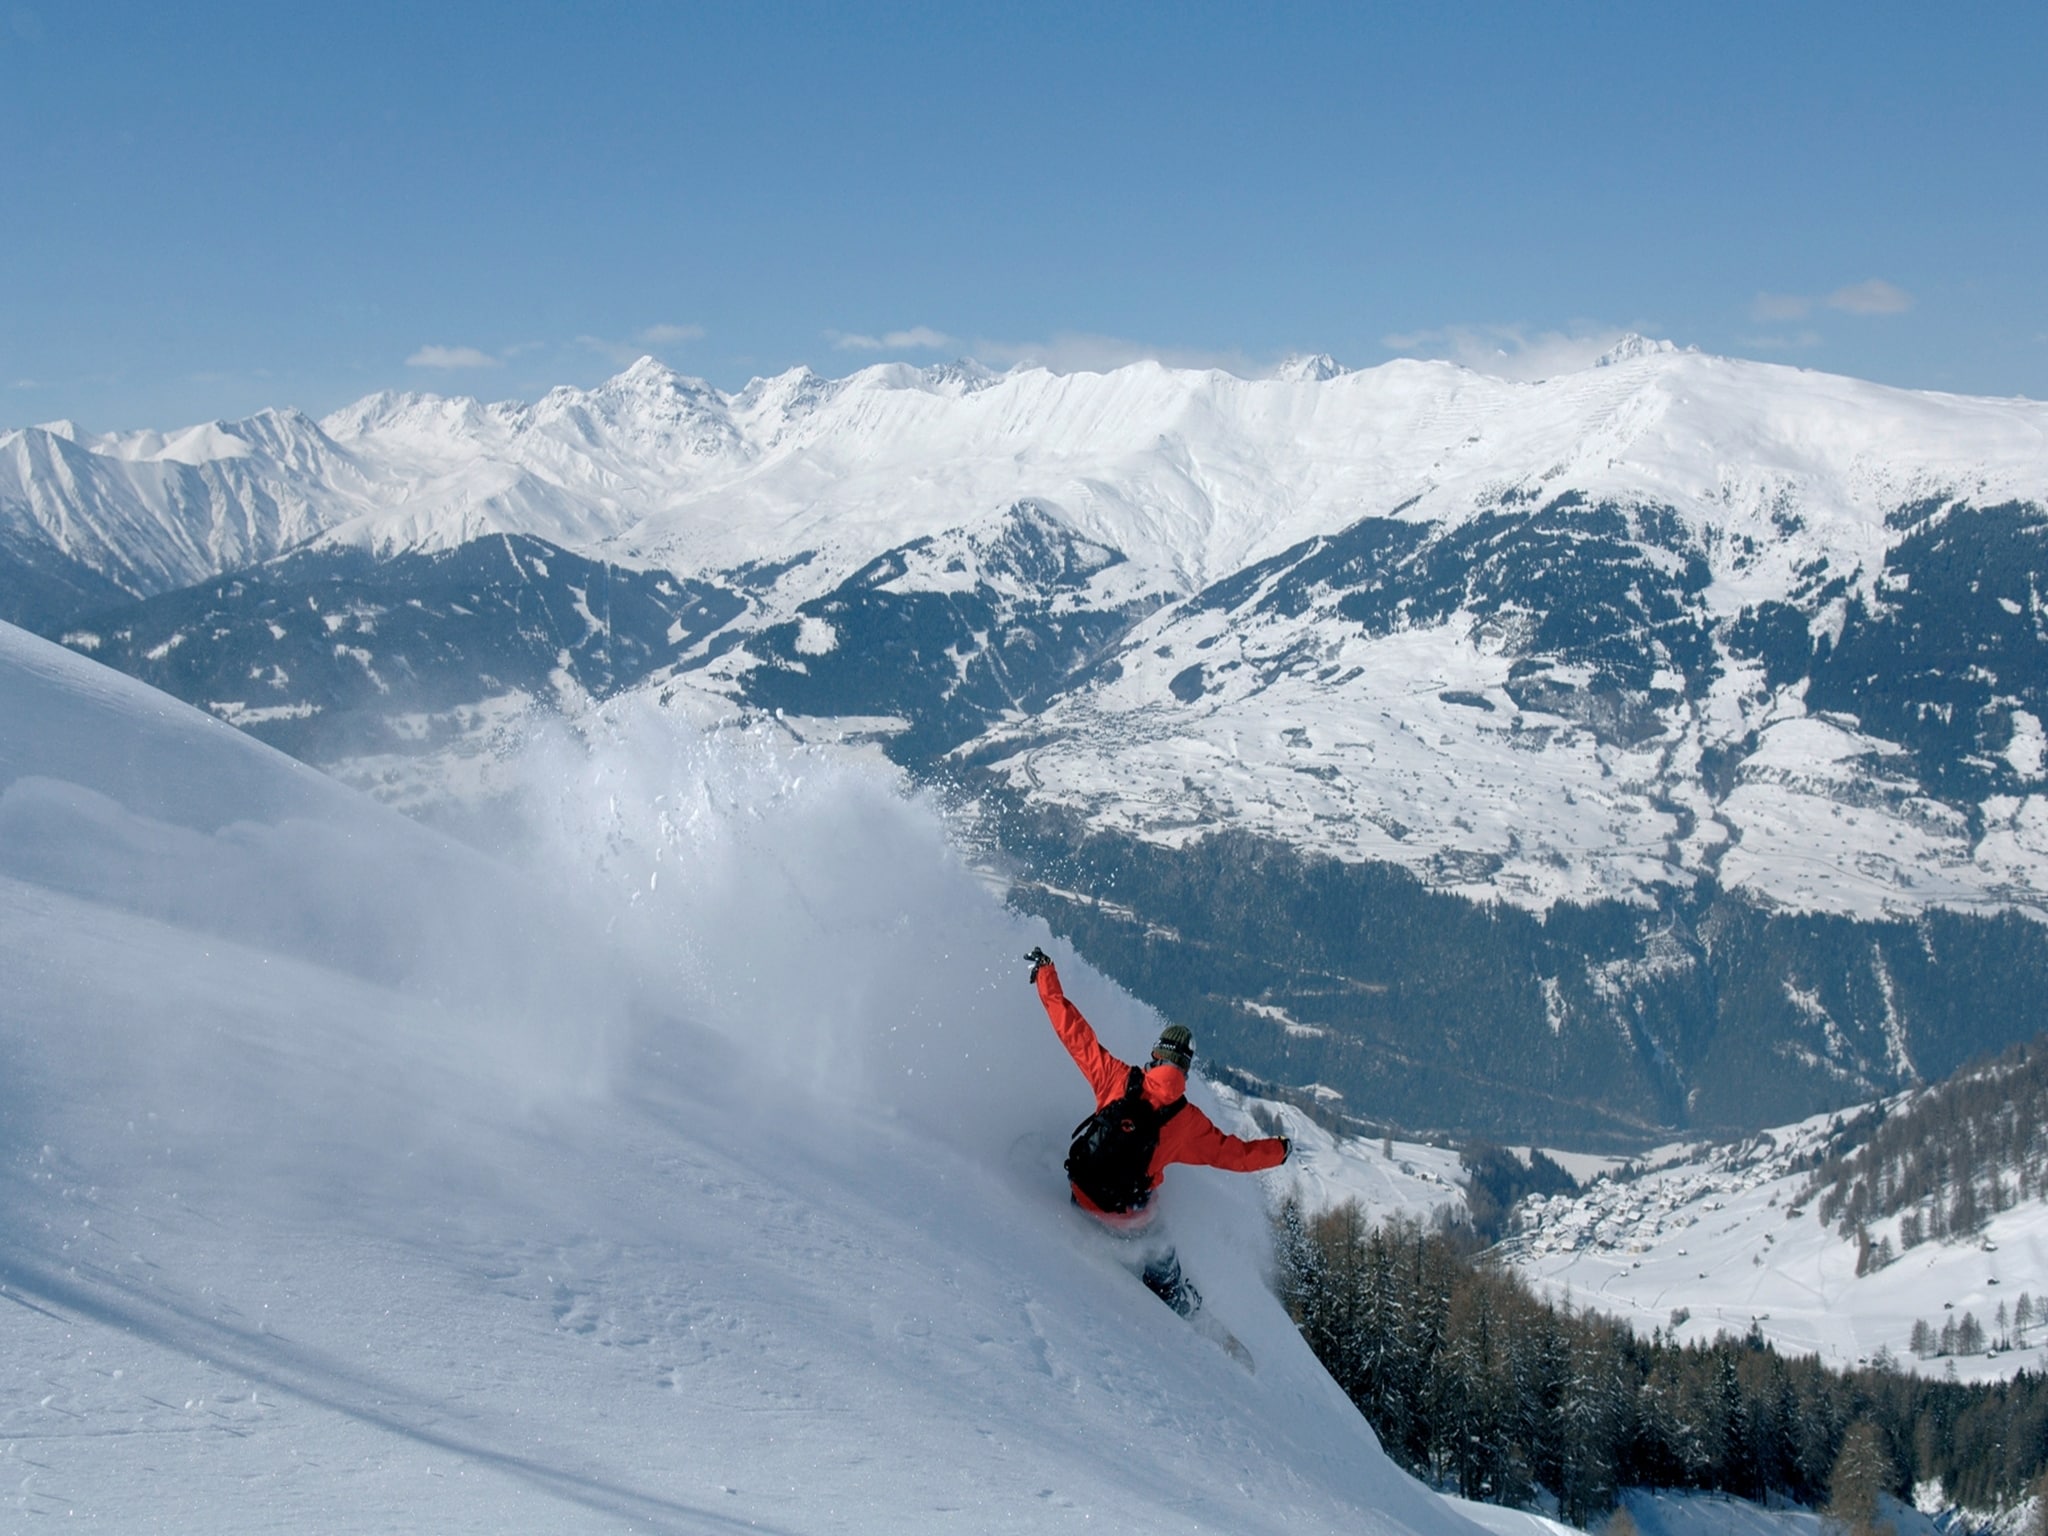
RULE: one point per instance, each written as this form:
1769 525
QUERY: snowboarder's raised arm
1105 1074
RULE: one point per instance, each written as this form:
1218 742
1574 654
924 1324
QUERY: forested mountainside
1601 1026
1944 1160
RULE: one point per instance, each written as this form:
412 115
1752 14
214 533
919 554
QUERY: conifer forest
1477 1385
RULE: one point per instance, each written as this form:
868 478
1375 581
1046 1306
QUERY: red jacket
1189 1137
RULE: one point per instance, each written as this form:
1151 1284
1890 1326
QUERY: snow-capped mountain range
1365 583
1674 631
1192 475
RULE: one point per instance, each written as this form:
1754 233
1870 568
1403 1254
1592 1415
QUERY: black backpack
1111 1153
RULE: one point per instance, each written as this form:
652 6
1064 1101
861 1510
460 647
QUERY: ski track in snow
683 1167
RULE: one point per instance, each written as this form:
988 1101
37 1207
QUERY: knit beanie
1176 1047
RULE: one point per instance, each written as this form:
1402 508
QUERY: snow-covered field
1718 1233
1418 755
690 1165
1709 1231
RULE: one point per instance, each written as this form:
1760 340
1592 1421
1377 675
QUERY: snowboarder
1142 1123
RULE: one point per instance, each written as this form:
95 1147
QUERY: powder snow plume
811 912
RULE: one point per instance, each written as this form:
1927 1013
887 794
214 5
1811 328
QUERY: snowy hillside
1720 1235
684 1167
1383 1177
1713 1239
1668 1513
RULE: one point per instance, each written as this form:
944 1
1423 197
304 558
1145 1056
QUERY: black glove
1039 961
1286 1148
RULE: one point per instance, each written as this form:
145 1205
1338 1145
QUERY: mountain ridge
1182 470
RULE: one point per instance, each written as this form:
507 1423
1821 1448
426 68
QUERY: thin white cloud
1774 307
1086 352
452 357
1873 296
1063 352
649 338
622 353
669 335
1798 341
1511 351
919 338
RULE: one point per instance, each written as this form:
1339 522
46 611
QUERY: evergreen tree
1969 1335
1587 1486
1737 1469
1862 1471
1384 1384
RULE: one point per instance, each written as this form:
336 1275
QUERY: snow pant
1163 1279
1157 1264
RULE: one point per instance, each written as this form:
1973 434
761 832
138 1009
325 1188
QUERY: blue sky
211 208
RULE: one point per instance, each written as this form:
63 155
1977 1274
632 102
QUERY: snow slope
1666 1512
682 1167
1719 1234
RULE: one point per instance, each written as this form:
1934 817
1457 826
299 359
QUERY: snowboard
1210 1327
